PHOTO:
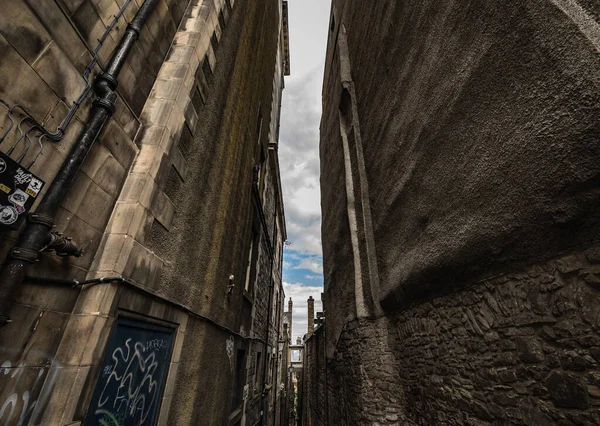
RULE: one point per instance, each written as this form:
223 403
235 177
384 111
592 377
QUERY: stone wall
164 199
459 155
520 348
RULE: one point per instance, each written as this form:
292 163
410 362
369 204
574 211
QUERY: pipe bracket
108 105
109 79
23 254
41 219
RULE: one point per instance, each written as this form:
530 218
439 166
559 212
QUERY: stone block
26 90
103 169
72 5
150 135
133 93
58 298
47 165
90 202
179 162
166 89
172 375
187 38
143 267
149 160
21 28
86 236
126 119
165 408
567 390
44 339
113 253
162 208
61 30
212 60
119 144
107 10
180 54
92 329
58 392
157 112
91 27
96 299
173 71
58 72
14 336
176 121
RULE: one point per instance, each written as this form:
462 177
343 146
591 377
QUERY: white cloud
299 160
313 265
313 277
299 294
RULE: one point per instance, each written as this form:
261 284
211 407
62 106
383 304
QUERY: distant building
177 207
460 156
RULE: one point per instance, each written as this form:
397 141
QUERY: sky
299 157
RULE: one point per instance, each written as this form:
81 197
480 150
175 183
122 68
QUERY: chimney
290 304
311 315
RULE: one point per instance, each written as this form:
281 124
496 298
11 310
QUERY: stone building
460 157
172 313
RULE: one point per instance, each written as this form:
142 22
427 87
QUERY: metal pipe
35 235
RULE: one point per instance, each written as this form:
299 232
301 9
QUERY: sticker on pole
19 189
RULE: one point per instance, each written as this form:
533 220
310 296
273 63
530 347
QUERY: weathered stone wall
178 216
521 348
315 380
459 142
45 47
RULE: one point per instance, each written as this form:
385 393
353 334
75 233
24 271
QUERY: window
238 384
249 266
257 373
252 262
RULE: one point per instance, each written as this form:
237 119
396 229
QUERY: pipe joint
107 79
134 26
41 219
26 255
106 104
63 246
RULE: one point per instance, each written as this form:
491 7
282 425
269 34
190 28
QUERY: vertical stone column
311 315
290 305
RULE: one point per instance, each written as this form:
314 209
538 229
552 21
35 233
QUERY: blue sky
299 156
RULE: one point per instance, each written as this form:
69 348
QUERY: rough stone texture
477 125
172 212
521 348
480 140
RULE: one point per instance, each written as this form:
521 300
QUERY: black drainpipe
37 234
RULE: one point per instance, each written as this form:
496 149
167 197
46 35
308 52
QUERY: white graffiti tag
133 372
11 406
230 348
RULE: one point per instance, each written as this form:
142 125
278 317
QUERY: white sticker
8 215
2 165
34 187
18 199
21 177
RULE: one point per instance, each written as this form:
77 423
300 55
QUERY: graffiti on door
131 379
